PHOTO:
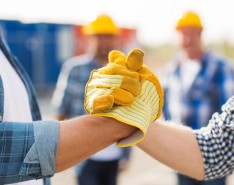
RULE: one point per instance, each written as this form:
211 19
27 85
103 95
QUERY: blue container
41 48
52 48
18 37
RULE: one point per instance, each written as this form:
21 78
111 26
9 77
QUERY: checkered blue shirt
68 98
27 150
216 142
211 88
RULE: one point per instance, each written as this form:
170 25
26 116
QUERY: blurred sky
154 19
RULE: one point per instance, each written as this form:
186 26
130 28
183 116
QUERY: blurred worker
197 85
68 99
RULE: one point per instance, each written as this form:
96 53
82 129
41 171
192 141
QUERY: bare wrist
120 130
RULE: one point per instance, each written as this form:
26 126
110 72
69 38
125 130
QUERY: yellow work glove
112 84
126 90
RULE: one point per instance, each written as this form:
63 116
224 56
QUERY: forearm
175 146
83 136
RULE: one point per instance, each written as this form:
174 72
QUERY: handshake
127 91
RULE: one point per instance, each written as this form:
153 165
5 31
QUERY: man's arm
40 149
176 146
84 136
206 153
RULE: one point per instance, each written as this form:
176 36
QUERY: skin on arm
83 136
175 146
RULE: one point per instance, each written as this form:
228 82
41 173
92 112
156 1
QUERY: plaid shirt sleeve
27 150
216 142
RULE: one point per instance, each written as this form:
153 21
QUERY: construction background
43 47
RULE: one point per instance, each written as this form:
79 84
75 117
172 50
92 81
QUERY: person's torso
194 103
78 78
16 102
35 112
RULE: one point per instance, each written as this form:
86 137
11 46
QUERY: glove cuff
144 110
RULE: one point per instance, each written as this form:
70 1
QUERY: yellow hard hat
103 24
189 19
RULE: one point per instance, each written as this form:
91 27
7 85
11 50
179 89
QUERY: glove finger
102 103
117 57
98 99
115 69
101 80
145 74
122 97
131 85
112 81
135 59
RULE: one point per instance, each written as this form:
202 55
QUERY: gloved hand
115 91
112 84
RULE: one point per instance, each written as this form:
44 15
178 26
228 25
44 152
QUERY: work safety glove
125 90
